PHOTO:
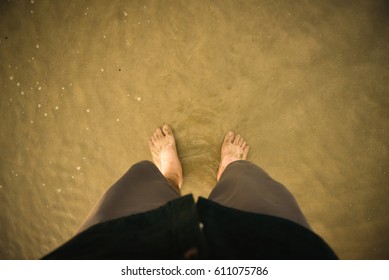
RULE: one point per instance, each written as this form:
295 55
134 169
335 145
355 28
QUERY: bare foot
163 149
234 148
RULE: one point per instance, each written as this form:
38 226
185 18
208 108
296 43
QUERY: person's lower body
242 185
142 188
247 187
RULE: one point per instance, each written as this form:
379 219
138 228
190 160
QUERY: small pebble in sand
18 84
22 92
11 77
117 120
39 88
43 184
104 36
37 46
78 167
63 88
32 1
39 105
31 121
87 110
31 11
125 14
1 186
72 177
59 190
138 98
56 107
45 114
102 69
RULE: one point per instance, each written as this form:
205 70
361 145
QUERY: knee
247 167
142 165
142 169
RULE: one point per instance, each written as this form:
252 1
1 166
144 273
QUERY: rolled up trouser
246 187
243 186
140 189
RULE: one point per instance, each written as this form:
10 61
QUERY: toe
245 152
155 135
159 133
240 143
229 137
167 129
151 143
237 138
243 145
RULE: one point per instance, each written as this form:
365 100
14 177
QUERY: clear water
84 84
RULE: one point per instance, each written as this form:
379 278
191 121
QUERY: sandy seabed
85 83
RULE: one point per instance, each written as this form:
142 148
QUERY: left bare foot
163 149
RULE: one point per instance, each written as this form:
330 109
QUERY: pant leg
247 187
142 188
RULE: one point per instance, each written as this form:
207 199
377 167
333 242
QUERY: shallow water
84 84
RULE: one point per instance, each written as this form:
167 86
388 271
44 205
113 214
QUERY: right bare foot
234 148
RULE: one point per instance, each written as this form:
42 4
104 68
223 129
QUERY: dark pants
243 186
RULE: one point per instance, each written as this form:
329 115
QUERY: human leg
145 186
244 186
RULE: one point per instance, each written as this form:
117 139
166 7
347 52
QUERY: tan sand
84 84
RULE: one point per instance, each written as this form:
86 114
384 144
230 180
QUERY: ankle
173 183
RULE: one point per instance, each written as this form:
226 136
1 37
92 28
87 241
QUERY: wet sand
84 84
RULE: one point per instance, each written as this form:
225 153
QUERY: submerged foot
233 148
163 149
